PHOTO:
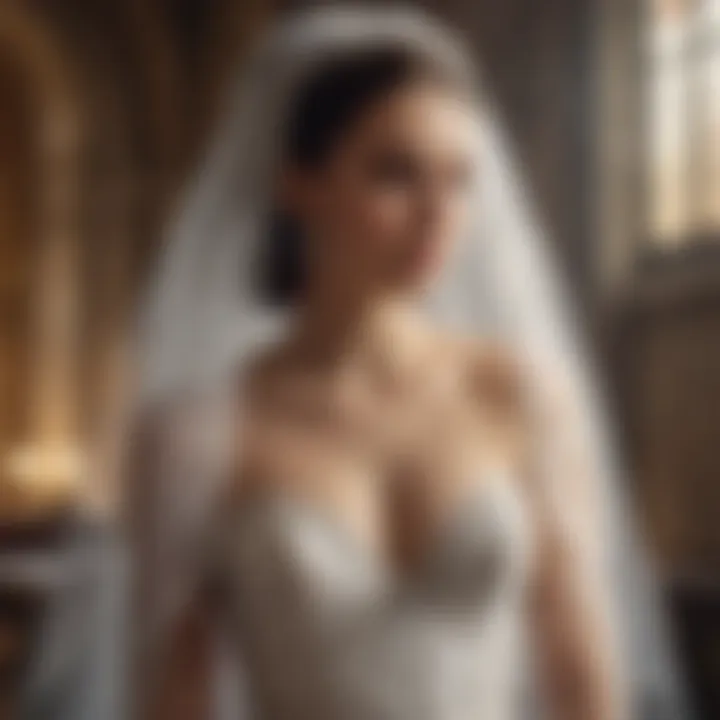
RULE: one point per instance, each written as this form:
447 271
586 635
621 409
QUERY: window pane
705 114
684 118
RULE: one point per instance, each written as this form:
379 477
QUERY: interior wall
18 248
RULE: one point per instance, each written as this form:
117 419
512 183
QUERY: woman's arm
578 661
183 686
170 498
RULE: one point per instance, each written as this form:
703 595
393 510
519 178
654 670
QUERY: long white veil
203 315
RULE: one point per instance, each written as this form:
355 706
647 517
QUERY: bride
417 524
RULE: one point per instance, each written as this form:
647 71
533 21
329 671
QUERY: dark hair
328 103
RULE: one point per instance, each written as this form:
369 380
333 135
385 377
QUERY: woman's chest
389 468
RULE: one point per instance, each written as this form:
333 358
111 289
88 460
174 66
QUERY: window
683 43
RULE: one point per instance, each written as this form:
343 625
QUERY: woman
412 528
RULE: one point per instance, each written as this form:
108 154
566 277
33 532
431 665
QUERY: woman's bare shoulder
491 372
261 386
491 385
499 374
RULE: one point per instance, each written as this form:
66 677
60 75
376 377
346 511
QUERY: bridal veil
203 318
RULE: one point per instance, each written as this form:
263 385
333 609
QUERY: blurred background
105 106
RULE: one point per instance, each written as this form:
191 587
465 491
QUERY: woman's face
383 209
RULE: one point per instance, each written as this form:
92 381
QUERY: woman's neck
375 335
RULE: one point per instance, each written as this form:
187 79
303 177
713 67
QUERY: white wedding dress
327 632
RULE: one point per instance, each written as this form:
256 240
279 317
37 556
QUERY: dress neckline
483 498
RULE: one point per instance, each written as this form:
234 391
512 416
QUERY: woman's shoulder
499 374
261 389
489 370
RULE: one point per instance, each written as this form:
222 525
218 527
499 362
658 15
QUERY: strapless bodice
329 633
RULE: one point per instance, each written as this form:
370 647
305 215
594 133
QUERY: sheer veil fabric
203 319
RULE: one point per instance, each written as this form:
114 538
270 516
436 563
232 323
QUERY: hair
330 101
